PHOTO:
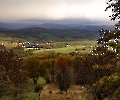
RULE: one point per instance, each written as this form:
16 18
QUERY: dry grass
51 92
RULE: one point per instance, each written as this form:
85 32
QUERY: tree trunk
97 95
35 80
52 76
15 93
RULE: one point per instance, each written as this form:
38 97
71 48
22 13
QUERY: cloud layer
53 10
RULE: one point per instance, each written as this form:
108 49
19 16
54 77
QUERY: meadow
61 47
72 46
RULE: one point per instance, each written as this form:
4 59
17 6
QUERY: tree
90 68
5 82
19 51
36 67
11 68
44 71
64 74
106 64
107 85
79 70
50 65
32 65
115 5
106 35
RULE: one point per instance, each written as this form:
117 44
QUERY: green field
61 50
30 38
72 45
79 42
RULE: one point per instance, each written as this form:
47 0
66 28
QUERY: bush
38 88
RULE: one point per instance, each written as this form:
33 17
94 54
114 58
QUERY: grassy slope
5 38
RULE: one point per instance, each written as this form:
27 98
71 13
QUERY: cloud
53 9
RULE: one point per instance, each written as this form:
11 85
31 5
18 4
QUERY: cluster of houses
37 46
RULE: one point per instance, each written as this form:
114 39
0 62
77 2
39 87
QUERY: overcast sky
55 10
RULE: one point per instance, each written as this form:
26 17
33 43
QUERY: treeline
99 72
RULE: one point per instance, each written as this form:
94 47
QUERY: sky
54 10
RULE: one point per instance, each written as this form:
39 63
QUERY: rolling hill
51 31
39 33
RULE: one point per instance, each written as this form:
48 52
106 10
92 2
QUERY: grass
70 48
5 38
57 50
65 49
79 42
28 93
72 45
30 38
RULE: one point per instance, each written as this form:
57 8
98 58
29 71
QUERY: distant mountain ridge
53 26
6 26
96 27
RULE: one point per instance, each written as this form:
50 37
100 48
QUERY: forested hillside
40 33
